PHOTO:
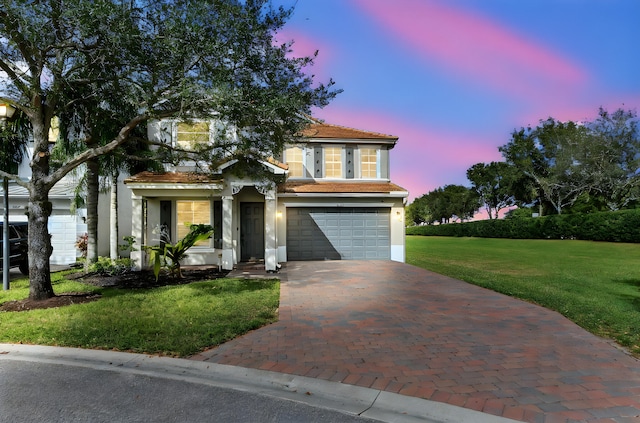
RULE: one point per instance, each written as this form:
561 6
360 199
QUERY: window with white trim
368 163
192 212
294 157
333 162
189 135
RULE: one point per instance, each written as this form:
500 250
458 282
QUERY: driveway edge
355 400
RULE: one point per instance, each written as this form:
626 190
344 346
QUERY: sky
454 78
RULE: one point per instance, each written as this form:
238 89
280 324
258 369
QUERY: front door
251 231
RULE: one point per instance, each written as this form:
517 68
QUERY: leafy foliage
130 62
81 244
564 167
450 202
14 134
107 266
418 212
619 226
169 255
493 183
560 163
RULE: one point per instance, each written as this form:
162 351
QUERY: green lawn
595 284
177 320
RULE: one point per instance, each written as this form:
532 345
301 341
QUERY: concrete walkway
396 328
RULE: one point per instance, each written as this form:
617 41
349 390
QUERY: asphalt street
54 384
46 392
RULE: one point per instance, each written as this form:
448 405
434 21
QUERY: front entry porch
243 214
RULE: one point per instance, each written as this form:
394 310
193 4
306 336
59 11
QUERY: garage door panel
338 233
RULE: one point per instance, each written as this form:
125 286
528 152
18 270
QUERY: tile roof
327 131
277 163
300 187
171 177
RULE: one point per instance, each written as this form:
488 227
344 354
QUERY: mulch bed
130 280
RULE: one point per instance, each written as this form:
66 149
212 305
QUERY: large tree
166 58
614 157
418 212
493 183
451 202
551 159
563 162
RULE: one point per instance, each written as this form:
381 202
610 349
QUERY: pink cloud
586 109
425 157
476 47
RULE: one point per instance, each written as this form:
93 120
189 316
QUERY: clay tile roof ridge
322 123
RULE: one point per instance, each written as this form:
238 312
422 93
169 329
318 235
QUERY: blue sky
453 78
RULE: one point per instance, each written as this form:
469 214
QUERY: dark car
17 246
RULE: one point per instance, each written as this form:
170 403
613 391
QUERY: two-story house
337 201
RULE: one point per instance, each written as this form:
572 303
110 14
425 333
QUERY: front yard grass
177 320
595 284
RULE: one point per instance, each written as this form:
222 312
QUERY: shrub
106 266
619 226
82 243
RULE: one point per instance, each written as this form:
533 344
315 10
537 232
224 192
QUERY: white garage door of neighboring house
63 238
338 233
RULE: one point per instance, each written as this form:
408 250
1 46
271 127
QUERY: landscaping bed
129 280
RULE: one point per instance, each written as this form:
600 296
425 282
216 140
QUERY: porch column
270 247
137 229
227 232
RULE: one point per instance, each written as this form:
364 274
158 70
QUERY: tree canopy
557 166
164 58
561 162
493 183
451 202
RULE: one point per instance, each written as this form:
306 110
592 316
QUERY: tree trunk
113 219
40 248
38 213
93 191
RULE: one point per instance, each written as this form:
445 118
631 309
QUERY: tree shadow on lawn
130 280
633 299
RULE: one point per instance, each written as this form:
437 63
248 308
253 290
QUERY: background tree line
557 167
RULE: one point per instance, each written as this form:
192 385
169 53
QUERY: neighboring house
337 201
64 225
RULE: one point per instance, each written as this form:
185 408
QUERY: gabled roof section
318 130
171 178
270 163
316 187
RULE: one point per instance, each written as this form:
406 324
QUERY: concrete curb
365 402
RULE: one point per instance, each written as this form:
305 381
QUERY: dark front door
165 219
251 231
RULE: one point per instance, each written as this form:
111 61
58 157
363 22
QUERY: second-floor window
294 158
189 135
368 163
333 162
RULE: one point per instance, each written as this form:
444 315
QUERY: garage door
338 234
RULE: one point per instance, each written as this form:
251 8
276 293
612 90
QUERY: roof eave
394 194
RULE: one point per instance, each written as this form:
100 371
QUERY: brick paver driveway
395 327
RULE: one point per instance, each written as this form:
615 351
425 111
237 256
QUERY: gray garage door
338 233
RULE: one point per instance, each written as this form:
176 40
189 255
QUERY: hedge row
619 226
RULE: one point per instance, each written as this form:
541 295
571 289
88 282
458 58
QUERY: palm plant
169 255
